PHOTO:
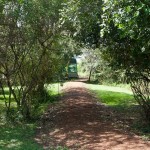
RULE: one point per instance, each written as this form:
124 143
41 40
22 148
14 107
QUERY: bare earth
78 122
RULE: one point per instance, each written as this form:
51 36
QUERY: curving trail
80 123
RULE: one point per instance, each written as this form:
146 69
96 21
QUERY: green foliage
34 50
48 96
126 30
98 69
81 21
40 102
143 129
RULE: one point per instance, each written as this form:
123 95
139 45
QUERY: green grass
121 89
16 136
115 98
20 135
120 102
118 98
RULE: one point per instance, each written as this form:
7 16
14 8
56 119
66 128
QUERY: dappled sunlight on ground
83 124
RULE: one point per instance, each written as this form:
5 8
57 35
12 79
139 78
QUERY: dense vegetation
33 50
39 37
120 30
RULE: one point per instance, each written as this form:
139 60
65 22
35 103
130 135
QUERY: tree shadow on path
80 123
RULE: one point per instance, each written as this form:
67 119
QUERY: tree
90 61
81 21
126 33
31 53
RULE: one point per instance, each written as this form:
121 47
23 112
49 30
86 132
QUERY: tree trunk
90 74
25 108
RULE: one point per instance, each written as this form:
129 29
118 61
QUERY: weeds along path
78 122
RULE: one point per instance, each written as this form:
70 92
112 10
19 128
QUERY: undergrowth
17 133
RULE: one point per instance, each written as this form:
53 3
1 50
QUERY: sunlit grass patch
115 98
120 102
120 99
109 88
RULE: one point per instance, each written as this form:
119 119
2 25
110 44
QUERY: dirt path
80 123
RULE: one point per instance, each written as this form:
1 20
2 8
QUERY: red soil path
78 122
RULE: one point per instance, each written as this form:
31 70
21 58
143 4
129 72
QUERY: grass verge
126 110
18 137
